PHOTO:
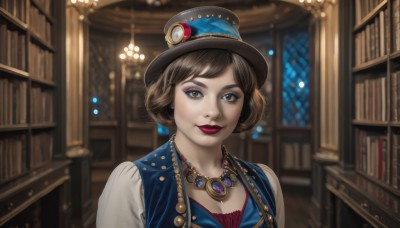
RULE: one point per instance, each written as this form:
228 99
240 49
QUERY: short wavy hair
160 94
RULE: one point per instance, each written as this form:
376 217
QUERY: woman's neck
207 160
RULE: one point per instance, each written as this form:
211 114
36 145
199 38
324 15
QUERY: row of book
45 5
13 47
364 7
40 63
370 97
13 101
41 106
296 156
15 8
395 80
372 41
396 25
41 149
12 150
375 159
40 25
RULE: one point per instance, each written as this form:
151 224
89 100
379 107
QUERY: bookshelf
364 187
31 180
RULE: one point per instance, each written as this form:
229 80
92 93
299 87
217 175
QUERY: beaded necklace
216 187
184 213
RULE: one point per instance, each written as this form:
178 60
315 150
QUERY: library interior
72 105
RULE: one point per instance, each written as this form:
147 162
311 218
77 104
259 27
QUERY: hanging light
316 7
84 7
131 53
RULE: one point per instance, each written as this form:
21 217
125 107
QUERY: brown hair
160 94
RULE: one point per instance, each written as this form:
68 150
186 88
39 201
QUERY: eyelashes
231 97
193 92
196 94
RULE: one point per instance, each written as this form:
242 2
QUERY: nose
212 108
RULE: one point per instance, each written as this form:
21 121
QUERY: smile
210 129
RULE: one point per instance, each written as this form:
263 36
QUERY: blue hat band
213 27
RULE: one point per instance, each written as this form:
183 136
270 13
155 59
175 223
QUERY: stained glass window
102 80
295 79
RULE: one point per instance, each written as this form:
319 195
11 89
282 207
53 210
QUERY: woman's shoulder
268 172
263 169
121 201
125 172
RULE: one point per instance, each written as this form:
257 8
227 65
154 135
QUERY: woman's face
207 110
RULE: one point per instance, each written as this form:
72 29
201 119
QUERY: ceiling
149 16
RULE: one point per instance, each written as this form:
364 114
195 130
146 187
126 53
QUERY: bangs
208 63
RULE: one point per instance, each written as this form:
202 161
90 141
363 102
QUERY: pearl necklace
216 187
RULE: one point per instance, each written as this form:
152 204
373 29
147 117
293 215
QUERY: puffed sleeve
121 202
276 188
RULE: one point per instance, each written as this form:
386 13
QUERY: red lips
210 129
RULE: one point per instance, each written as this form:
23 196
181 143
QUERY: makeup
210 129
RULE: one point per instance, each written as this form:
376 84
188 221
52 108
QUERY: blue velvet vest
160 192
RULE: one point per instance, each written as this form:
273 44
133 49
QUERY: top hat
207 27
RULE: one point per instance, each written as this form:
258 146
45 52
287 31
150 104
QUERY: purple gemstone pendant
216 189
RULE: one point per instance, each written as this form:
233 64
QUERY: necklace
216 187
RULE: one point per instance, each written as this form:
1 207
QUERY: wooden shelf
354 196
13 128
370 16
43 82
380 183
31 179
13 20
372 202
378 62
14 71
395 56
370 123
395 124
103 123
40 41
23 192
42 126
140 125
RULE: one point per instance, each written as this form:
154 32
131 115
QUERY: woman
206 86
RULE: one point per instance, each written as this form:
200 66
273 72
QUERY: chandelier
316 7
131 53
84 7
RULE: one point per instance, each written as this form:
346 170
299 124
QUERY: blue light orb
95 100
